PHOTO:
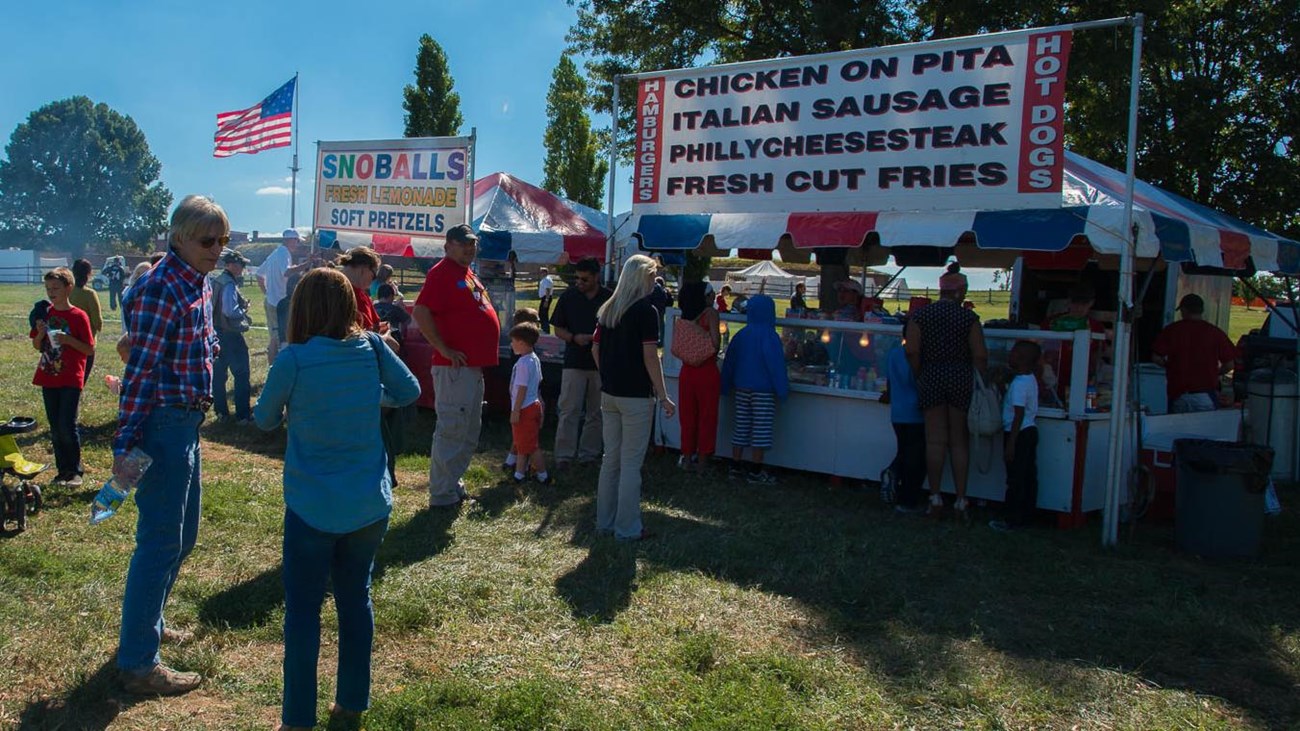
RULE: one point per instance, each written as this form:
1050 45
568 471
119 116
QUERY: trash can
1220 511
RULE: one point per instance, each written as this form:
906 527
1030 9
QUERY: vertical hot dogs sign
961 124
412 187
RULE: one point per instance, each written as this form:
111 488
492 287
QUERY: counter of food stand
833 421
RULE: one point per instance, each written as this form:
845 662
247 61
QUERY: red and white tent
510 215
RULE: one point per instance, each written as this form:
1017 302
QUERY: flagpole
293 186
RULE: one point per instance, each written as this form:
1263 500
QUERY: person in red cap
1194 354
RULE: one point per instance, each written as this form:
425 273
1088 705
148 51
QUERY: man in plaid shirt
166 391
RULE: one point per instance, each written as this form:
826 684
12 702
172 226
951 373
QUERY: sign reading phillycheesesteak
960 124
415 187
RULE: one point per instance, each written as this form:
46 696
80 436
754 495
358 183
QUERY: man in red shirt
1194 354
457 318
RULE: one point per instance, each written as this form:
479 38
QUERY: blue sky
172 66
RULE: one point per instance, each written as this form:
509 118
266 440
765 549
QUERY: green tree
573 167
432 108
77 174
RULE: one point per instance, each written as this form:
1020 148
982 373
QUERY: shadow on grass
425 535
901 592
601 585
93 704
247 604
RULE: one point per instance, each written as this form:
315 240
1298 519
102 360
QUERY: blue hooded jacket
755 360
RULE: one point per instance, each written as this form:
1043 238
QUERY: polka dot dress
947 371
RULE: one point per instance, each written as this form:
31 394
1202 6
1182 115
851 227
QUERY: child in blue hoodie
754 368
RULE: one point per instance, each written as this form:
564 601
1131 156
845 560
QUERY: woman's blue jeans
313 559
168 501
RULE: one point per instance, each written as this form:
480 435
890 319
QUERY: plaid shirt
169 316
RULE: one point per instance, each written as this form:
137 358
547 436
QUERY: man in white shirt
545 288
273 279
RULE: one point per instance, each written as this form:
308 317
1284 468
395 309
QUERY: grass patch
803 606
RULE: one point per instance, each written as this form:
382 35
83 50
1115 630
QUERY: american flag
263 126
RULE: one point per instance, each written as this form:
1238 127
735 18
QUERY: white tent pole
1119 407
613 166
473 160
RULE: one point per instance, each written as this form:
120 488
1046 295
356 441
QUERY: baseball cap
1192 303
291 233
849 284
230 256
462 233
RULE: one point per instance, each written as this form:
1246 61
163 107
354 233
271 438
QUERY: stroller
20 496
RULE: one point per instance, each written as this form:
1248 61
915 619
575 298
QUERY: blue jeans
233 358
168 501
61 406
312 559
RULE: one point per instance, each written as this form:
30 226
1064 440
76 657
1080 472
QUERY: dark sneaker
1001 526
910 509
544 480
735 473
161 680
507 467
760 477
518 480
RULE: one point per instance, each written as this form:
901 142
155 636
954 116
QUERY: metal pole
613 166
293 186
473 160
1119 406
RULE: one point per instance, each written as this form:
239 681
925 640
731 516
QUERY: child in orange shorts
526 404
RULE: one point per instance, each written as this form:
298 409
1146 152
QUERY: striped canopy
1092 209
509 215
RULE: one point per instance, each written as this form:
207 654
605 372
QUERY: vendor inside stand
1077 316
848 301
1195 355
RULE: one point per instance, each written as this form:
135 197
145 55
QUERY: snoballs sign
414 187
968 123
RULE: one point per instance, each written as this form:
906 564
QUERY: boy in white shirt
1020 437
526 404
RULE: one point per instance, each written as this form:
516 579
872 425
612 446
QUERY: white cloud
274 190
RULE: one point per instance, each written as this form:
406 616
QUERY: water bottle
115 491
831 380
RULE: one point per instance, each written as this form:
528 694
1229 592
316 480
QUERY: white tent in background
895 290
766 277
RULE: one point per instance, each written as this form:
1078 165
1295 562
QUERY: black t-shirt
577 314
622 359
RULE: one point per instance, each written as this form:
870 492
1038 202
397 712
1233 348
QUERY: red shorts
525 432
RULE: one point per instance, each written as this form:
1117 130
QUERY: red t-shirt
462 312
367 318
1194 349
64 367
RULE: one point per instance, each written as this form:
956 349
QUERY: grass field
800 606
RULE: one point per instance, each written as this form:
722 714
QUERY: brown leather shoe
161 680
171 636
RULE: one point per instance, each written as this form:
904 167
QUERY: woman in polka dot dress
945 344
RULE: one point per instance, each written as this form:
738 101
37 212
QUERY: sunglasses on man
208 242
